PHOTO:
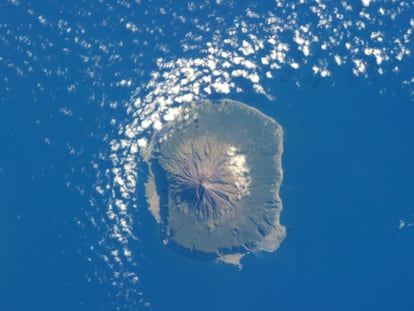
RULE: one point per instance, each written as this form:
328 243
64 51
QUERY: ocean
84 87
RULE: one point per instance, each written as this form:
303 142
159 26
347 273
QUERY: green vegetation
215 173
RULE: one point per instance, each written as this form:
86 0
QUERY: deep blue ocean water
347 189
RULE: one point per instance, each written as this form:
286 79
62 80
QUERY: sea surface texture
85 85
